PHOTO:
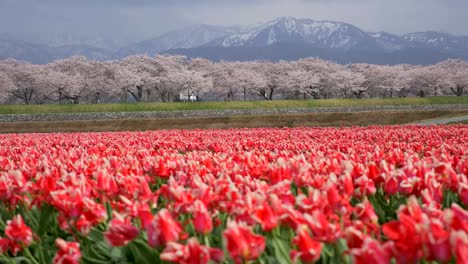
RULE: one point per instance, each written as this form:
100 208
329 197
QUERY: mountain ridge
338 41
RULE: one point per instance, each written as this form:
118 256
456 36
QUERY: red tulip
68 252
391 185
308 249
241 243
4 245
459 241
458 218
371 252
266 217
293 177
463 192
192 253
201 218
407 241
18 232
439 244
120 233
163 229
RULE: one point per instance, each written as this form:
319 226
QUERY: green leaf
450 198
143 253
95 235
116 254
281 250
21 260
46 217
342 247
108 211
91 260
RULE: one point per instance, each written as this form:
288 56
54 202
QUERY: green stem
207 240
30 256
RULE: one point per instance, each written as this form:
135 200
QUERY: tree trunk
421 93
358 94
60 95
97 98
460 89
272 90
138 95
27 96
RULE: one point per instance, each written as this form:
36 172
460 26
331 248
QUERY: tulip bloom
192 253
242 243
163 229
308 249
18 233
68 252
266 217
120 233
201 218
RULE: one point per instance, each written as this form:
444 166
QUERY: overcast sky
145 18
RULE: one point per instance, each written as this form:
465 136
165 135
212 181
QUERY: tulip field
395 194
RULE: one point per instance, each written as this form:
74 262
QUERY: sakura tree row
173 78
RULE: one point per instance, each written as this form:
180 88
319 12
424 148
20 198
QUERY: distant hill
285 38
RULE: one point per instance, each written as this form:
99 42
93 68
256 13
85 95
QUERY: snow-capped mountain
190 37
291 38
284 38
324 34
438 40
390 42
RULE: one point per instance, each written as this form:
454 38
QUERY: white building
183 97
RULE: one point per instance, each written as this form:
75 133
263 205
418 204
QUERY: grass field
287 120
135 107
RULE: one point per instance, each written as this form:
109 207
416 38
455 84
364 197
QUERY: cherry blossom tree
59 86
248 80
171 79
351 81
167 78
458 82
454 76
385 80
427 81
25 80
399 80
315 77
6 85
225 80
144 72
273 78
91 79
194 83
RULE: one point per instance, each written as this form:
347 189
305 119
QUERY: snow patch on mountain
327 34
188 37
439 40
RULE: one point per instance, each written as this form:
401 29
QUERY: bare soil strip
284 120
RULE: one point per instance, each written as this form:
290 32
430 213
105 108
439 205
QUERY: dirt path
441 121
284 120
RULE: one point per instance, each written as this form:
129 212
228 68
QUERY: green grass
135 107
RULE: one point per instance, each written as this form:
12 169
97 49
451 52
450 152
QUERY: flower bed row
304 195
